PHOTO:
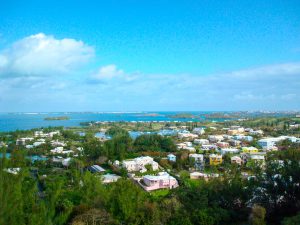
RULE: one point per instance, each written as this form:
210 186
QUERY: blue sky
149 55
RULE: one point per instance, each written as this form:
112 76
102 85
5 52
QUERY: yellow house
215 159
249 150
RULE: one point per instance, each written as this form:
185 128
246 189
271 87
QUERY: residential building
243 138
110 178
160 181
198 130
235 143
229 151
66 162
215 159
198 175
198 161
182 135
196 157
223 144
96 169
268 143
249 149
22 141
208 147
256 132
215 138
257 157
236 160
171 157
138 164
201 141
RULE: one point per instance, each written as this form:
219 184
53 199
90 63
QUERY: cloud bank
31 79
40 55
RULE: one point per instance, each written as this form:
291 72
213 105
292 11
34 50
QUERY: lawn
158 194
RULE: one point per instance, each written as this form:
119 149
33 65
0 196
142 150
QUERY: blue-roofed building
171 157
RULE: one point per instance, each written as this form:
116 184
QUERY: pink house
162 180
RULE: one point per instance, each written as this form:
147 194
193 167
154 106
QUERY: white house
66 162
58 150
109 178
196 157
56 143
198 175
269 143
201 141
38 143
22 141
198 130
229 150
208 147
138 164
14 171
256 132
187 135
215 138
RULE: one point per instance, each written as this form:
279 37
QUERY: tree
295 220
257 216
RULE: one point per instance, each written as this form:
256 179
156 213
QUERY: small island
184 116
57 118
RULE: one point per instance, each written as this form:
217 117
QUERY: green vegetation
154 142
45 192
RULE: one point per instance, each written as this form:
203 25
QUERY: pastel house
223 144
171 157
249 150
160 181
215 159
236 160
198 175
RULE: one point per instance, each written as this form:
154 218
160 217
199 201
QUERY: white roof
160 176
258 157
196 155
235 158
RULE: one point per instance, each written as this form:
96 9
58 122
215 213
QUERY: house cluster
155 181
45 135
37 139
191 135
269 143
235 136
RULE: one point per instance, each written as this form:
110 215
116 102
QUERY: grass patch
158 194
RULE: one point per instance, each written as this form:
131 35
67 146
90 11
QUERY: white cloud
270 70
108 72
26 66
41 54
